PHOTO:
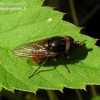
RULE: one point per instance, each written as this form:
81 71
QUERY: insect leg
55 59
40 67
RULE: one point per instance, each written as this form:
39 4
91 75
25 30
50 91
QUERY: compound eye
70 39
69 43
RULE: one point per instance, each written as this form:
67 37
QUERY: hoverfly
42 51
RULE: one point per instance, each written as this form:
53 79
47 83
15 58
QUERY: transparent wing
33 49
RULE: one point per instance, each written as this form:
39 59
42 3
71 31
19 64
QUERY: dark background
87 11
88 15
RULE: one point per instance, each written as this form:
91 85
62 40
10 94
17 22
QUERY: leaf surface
34 23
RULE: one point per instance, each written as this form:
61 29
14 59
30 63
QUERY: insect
42 51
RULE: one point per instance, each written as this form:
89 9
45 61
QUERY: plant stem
90 14
78 94
52 95
93 90
73 12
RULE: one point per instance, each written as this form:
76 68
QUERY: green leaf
34 23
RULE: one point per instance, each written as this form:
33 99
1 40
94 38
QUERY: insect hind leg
55 59
40 67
